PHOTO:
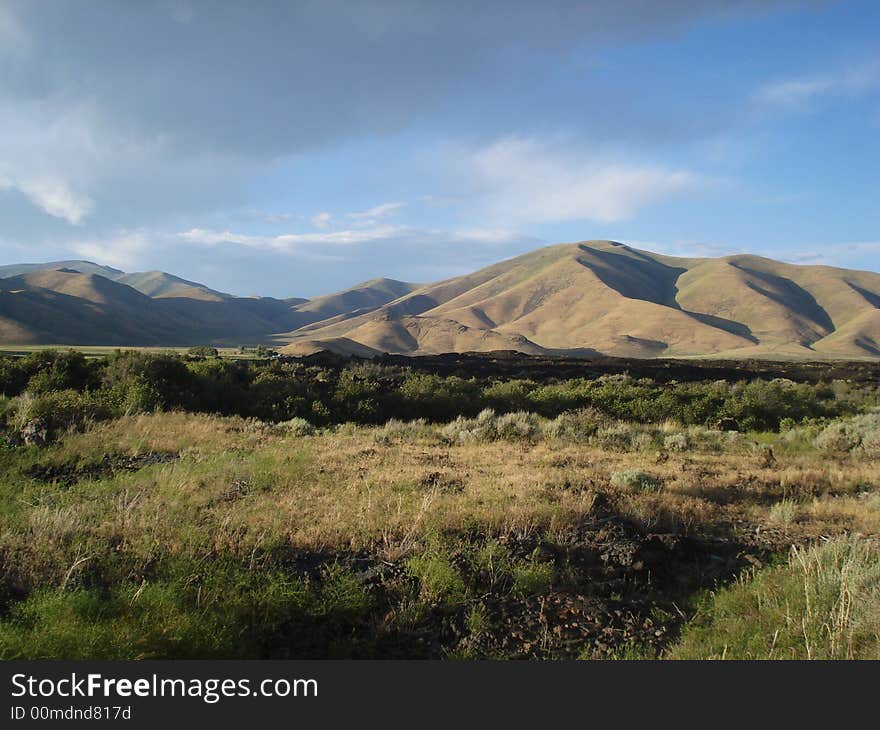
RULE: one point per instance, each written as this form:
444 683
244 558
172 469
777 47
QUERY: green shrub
274 390
61 409
508 396
142 382
439 580
635 479
533 578
435 398
203 351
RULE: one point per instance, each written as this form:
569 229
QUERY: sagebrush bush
641 440
488 426
578 426
395 430
860 433
518 425
676 442
784 512
617 436
635 479
294 427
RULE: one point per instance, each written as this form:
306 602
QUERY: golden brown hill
614 299
582 299
83 303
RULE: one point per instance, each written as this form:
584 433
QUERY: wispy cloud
376 213
295 243
55 151
291 242
846 255
529 180
803 91
360 219
321 220
54 196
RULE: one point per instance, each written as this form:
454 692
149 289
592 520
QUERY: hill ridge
586 297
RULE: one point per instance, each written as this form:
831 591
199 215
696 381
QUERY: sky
297 148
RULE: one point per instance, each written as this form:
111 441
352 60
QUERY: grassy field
194 535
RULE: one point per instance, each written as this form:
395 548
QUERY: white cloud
802 91
524 179
54 197
123 250
291 242
385 210
321 220
298 243
77 163
53 150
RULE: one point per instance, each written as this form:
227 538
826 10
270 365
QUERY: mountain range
582 299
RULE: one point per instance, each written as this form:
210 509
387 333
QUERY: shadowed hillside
607 297
82 303
582 299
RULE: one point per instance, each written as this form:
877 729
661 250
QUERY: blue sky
293 149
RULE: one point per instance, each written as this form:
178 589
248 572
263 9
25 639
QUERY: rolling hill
582 299
606 297
83 303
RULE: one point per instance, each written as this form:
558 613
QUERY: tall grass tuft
824 603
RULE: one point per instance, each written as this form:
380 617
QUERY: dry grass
245 499
357 487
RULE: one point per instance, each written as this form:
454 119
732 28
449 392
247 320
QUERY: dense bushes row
65 388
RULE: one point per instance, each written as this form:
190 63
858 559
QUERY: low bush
294 427
860 433
783 512
439 580
533 578
517 426
59 410
676 442
635 479
396 430
579 426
